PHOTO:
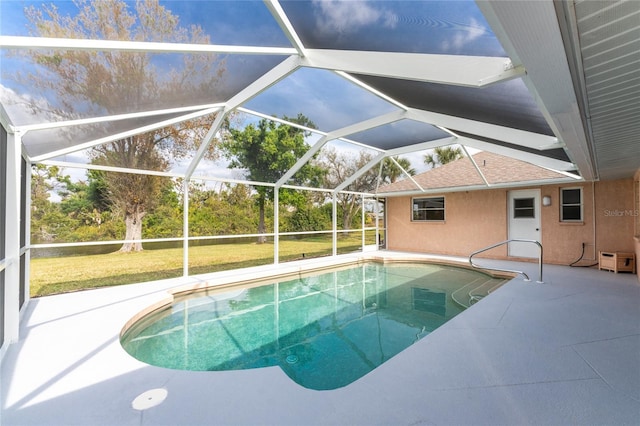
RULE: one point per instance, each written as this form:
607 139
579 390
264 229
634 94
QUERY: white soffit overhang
607 47
418 191
530 35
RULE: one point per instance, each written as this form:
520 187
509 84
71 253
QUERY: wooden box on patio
617 261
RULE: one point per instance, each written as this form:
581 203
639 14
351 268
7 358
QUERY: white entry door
524 222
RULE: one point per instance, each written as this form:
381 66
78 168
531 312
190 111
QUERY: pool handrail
526 277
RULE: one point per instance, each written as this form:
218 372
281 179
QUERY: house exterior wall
472 220
615 215
477 219
636 195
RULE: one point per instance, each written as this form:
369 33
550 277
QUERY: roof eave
506 185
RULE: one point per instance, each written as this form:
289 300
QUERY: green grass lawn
65 274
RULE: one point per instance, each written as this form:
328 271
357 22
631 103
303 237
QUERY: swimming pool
323 330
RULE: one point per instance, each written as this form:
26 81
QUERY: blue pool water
325 331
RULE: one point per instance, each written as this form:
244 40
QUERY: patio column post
12 239
276 225
362 202
334 202
376 206
27 232
185 227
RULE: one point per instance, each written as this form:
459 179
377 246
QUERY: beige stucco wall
615 215
477 219
637 226
471 219
562 241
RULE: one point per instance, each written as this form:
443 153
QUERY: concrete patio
563 352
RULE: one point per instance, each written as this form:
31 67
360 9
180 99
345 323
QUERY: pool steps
475 290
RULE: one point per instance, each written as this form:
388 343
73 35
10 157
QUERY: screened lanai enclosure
204 126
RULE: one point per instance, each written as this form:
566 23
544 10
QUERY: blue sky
448 27
439 27
445 26
227 22
451 27
326 98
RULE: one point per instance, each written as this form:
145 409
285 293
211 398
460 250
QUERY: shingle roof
497 169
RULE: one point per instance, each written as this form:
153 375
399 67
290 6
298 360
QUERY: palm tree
443 155
391 172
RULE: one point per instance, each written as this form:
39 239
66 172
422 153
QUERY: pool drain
291 359
149 399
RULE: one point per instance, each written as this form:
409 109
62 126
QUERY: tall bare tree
338 168
112 82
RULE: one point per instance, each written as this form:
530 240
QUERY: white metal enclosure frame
543 44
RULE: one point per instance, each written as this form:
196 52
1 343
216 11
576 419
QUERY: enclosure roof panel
223 22
507 104
120 82
399 134
552 83
438 27
327 99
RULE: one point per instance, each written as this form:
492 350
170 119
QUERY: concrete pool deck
563 352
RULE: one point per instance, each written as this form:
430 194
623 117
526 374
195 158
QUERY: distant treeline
67 211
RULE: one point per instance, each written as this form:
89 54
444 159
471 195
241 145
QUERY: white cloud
19 107
349 16
465 35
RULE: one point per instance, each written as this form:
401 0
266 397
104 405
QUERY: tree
45 215
307 218
391 172
267 151
340 167
111 82
166 219
228 209
132 195
443 155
